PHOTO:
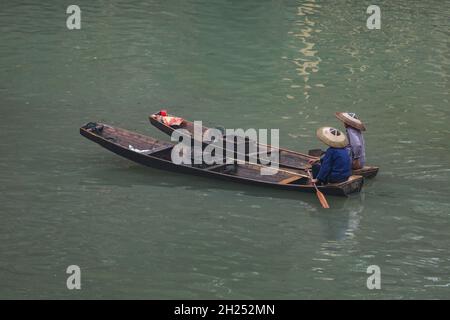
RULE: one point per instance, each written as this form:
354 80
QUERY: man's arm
325 167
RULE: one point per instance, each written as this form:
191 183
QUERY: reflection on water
308 61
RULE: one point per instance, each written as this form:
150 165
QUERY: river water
137 232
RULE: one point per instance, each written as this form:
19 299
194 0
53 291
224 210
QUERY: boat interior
163 150
288 158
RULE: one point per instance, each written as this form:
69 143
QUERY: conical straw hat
351 119
332 137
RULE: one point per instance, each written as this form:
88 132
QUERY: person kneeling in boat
335 165
354 128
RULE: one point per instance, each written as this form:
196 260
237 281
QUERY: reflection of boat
287 158
158 154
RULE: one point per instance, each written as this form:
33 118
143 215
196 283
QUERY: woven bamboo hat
351 119
332 137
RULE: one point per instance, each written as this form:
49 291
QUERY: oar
320 195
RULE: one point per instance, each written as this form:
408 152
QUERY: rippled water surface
142 233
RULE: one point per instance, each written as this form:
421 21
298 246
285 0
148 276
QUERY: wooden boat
154 153
287 158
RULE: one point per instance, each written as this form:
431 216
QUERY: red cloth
172 121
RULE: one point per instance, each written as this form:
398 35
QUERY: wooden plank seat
290 179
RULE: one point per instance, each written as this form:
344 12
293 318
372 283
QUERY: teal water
137 232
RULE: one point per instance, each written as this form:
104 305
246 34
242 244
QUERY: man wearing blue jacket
335 165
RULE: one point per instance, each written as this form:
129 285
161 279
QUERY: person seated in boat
335 165
354 128
163 117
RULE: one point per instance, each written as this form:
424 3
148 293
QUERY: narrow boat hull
125 143
287 158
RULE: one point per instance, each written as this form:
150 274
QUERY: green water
138 232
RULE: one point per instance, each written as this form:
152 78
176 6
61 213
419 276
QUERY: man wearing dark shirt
335 165
354 128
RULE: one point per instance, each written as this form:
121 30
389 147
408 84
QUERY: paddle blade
323 200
